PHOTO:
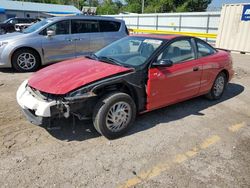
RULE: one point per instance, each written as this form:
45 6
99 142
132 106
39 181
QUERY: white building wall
204 22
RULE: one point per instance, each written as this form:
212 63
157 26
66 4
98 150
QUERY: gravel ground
197 143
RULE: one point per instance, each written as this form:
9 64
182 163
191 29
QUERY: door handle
195 68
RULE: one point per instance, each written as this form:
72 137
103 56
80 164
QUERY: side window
22 21
13 21
84 26
204 49
109 26
178 51
60 28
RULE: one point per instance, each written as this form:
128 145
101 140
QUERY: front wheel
218 87
26 60
114 114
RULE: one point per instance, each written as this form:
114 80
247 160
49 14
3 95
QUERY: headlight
3 44
79 94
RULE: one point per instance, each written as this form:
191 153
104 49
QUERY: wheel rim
26 61
219 86
118 116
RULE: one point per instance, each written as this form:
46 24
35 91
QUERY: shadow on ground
84 129
8 70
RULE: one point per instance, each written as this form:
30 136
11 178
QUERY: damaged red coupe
133 75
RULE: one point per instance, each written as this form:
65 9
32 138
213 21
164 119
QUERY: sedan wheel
114 114
118 116
218 87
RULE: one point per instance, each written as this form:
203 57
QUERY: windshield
129 51
7 21
36 26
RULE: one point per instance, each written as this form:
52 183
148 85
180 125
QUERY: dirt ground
197 143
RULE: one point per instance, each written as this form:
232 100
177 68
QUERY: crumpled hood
66 76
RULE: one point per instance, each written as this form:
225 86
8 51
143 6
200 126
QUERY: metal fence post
137 22
180 22
208 22
156 22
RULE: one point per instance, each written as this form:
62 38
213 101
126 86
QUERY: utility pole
142 7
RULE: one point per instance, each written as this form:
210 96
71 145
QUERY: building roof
38 7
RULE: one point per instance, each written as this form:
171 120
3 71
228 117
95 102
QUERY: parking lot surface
197 143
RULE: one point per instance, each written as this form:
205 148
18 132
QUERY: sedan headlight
80 94
3 44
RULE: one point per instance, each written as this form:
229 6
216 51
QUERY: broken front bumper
35 108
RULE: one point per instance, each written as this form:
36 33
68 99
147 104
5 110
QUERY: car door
61 46
210 64
167 85
81 30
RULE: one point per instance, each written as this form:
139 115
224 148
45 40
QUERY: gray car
56 39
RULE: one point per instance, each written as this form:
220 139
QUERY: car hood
66 76
2 24
11 36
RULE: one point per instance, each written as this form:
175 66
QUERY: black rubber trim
36 120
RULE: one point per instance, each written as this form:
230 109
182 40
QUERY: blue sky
219 3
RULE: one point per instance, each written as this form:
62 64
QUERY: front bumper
39 110
36 109
5 61
30 102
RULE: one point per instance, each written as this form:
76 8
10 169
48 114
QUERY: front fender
35 44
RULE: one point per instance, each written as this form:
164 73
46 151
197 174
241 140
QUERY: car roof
84 17
160 36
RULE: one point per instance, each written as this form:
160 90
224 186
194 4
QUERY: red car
133 75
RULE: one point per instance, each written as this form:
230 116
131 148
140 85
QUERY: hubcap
118 116
26 61
219 86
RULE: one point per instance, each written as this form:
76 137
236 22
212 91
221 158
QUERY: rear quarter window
204 49
109 26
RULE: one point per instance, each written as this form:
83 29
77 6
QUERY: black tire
104 106
212 95
2 31
32 53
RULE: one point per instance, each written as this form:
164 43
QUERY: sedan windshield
36 26
129 51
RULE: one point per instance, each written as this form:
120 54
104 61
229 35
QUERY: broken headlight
80 93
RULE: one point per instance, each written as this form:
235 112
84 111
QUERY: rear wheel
26 60
218 87
114 114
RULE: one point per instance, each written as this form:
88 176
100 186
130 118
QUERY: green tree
135 6
160 6
107 7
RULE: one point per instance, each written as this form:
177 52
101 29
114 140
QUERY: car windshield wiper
109 60
92 56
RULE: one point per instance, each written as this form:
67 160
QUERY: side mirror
163 63
51 33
